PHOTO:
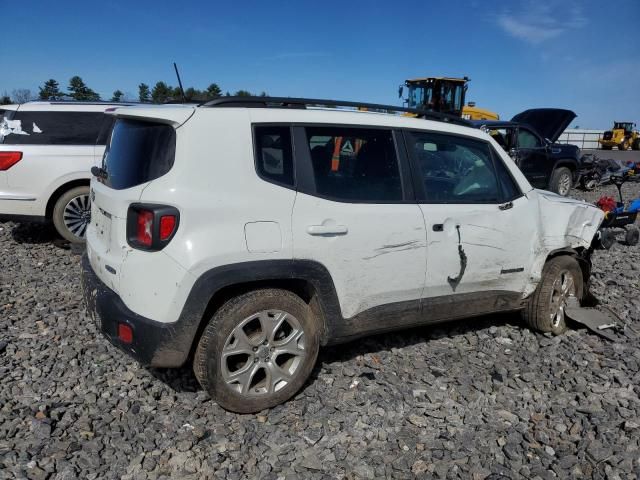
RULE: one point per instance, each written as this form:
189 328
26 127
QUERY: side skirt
398 316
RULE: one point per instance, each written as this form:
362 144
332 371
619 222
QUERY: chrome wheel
77 215
563 288
263 353
564 184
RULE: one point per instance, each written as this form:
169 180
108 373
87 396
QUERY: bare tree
21 95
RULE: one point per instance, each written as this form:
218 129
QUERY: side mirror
400 91
513 153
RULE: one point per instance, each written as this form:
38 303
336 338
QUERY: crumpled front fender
565 224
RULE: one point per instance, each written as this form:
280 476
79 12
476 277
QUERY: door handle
327 229
506 206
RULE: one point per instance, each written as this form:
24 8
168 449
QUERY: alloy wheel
564 287
263 353
564 184
77 215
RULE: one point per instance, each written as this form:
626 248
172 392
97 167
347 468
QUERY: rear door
480 228
355 214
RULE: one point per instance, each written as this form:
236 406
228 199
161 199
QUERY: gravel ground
482 398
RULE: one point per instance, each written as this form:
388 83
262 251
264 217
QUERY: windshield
439 96
623 125
138 152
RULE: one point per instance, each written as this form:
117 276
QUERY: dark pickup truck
529 138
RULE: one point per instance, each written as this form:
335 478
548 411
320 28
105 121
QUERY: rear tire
561 280
561 181
632 236
636 144
72 214
241 359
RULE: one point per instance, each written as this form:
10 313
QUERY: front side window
454 169
52 128
355 164
274 156
526 139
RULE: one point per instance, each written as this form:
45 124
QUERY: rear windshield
50 128
138 152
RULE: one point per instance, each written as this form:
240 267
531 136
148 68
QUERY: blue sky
519 54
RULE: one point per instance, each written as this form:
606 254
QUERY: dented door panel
479 248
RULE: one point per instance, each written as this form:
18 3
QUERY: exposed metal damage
455 281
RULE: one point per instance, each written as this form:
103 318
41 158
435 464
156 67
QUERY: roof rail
82 102
290 102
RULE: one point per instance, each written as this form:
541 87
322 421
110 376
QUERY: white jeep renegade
47 150
243 234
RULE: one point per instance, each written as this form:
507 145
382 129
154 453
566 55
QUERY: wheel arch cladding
581 255
58 192
307 279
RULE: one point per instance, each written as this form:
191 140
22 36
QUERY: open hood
548 122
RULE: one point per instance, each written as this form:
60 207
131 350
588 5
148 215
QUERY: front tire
561 280
561 181
72 214
606 147
258 350
624 145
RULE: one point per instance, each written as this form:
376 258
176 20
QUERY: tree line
78 90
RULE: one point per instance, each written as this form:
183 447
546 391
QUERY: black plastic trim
169 344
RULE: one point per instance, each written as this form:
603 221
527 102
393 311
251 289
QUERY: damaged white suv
243 234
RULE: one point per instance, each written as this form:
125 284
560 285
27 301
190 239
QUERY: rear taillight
144 233
9 159
151 227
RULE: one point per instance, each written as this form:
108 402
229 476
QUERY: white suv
245 233
47 150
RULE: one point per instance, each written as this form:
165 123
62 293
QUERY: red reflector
125 333
167 224
9 159
145 227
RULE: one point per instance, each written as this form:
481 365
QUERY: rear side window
138 152
274 156
52 128
355 164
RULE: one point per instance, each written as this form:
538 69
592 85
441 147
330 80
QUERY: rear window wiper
99 172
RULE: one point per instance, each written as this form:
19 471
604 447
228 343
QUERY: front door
354 215
481 229
533 158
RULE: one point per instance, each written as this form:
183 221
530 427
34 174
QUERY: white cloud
536 22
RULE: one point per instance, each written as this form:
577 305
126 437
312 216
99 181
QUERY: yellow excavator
445 95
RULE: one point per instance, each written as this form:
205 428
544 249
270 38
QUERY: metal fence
585 139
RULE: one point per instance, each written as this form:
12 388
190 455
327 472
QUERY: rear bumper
154 343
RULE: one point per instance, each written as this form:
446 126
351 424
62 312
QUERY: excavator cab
440 94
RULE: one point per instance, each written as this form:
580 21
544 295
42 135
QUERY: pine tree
243 93
144 95
50 90
213 91
79 90
117 96
161 92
